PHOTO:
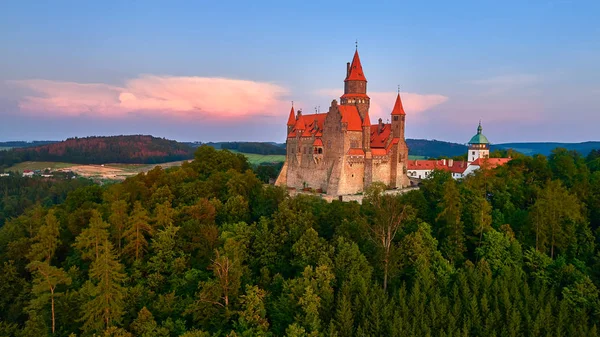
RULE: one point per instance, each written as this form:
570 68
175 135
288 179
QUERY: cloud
184 97
382 103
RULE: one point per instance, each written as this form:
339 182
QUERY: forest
208 249
136 149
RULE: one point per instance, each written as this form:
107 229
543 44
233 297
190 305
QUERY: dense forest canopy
137 149
207 249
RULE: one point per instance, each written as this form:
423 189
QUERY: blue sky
211 71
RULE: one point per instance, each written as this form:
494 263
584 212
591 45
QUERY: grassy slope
38 165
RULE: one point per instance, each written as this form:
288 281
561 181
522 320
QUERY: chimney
316 125
380 129
347 69
444 162
450 162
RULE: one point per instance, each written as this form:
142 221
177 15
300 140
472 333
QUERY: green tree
46 280
135 235
46 240
90 239
118 220
106 305
451 224
554 215
390 216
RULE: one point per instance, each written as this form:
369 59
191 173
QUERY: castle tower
398 118
355 87
479 146
291 120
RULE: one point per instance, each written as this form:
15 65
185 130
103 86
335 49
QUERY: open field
38 165
5 148
107 171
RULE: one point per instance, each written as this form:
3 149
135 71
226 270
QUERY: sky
229 70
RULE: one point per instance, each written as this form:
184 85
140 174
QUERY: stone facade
340 152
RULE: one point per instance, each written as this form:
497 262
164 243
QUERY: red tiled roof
379 140
300 125
398 109
490 163
457 166
367 120
318 142
379 152
356 71
309 125
292 118
350 115
356 152
354 95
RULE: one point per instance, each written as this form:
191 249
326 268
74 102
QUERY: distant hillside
434 148
20 143
137 149
546 148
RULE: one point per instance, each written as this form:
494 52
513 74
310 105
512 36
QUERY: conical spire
300 124
398 109
292 118
356 71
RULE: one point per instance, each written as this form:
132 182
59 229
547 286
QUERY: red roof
379 139
356 71
490 163
398 109
309 125
292 118
457 166
300 125
354 95
350 115
356 152
379 152
318 142
367 120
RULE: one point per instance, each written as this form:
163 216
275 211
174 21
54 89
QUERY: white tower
479 146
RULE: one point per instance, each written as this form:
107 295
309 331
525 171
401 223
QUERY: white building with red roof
477 158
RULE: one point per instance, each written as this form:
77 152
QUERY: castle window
396 118
320 151
473 153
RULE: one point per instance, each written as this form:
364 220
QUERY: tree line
207 249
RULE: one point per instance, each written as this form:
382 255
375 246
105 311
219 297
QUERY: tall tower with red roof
398 118
355 87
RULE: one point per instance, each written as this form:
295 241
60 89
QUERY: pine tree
90 239
135 235
46 241
452 226
46 279
106 304
118 220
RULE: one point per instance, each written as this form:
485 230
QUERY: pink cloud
382 103
187 97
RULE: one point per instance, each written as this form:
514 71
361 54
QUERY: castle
340 152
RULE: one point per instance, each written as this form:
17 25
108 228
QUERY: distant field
256 159
38 165
5 148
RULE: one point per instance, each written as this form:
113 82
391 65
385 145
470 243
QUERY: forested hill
546 148
136 149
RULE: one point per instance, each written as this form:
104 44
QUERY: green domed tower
479 146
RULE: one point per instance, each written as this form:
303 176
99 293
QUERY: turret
398 118
355 87
291 120
479 146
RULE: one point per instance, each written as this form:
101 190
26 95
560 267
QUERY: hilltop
135 149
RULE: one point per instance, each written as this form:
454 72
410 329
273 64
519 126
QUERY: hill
136 149
434 148
546 148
